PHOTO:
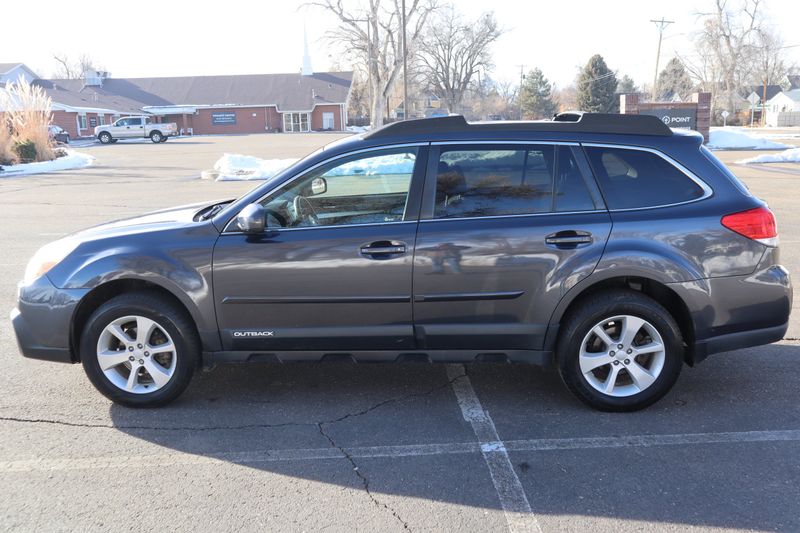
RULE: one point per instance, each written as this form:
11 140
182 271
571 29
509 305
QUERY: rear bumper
42 320
738 340
736 312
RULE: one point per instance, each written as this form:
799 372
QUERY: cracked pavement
371 448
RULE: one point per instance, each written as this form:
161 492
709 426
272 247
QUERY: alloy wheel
622 355
136 354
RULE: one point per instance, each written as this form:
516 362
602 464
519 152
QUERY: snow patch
70 161
238 167
358 129
730 138
787 156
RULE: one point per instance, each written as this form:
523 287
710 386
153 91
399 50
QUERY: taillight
757 224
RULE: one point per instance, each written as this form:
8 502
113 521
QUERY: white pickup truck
137 127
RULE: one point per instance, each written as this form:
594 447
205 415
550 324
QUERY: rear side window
514 180
637 178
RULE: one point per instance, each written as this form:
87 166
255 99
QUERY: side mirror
252 219
319 186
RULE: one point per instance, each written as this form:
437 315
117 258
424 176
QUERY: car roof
634 130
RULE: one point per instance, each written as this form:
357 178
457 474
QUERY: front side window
122 122
365 189
632 179
517 180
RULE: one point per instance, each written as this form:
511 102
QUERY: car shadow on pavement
397 431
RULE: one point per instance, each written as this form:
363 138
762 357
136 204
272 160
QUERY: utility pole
661 25
405 66
519 92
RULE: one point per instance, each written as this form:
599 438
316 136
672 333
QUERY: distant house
758 90
12 71
783 109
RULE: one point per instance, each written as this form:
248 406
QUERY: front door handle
568 238
383 249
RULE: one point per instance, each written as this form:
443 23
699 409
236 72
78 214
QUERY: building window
101 120
82 122
295 122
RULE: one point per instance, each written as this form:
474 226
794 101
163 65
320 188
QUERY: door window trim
415 188
707 190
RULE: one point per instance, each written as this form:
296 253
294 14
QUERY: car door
505 231
118 128
333 270
133 129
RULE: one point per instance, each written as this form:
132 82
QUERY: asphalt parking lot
376 448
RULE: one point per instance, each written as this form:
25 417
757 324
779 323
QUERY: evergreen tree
597 87
536 96
627 85
674 80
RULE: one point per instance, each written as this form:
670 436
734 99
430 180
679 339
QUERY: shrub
26 151
28 113
7 155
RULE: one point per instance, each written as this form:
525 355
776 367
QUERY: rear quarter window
631 179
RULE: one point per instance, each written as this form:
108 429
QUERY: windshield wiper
213 211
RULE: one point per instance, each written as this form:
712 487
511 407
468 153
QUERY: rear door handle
568 238
383 249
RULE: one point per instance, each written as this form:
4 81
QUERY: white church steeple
306 70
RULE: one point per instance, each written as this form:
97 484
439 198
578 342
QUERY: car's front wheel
105 137
139 350
620 351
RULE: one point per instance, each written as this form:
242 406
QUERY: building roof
8 67
289 92
772 90
794 94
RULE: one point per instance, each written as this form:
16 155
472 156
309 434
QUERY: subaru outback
610 244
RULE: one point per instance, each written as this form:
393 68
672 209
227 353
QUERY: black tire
156 137
105 137
605 305
174 320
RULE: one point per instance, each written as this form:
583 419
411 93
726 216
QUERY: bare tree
373 37
727 44
453 50
65 69
72 70
770 58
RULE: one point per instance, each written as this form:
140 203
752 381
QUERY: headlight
46 258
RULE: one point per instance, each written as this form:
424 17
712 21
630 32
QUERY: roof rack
569 122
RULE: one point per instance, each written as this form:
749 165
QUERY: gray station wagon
610 244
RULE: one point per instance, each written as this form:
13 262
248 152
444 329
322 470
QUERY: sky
180 37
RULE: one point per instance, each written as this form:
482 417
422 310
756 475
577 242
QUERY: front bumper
42 320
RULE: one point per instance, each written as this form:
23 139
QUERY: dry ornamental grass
26 120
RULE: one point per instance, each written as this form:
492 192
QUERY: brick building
255 103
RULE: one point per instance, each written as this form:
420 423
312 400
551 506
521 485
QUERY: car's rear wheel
620 351
139 350
105 137
156 137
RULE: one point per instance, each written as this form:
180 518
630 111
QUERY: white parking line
412 450
513 500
